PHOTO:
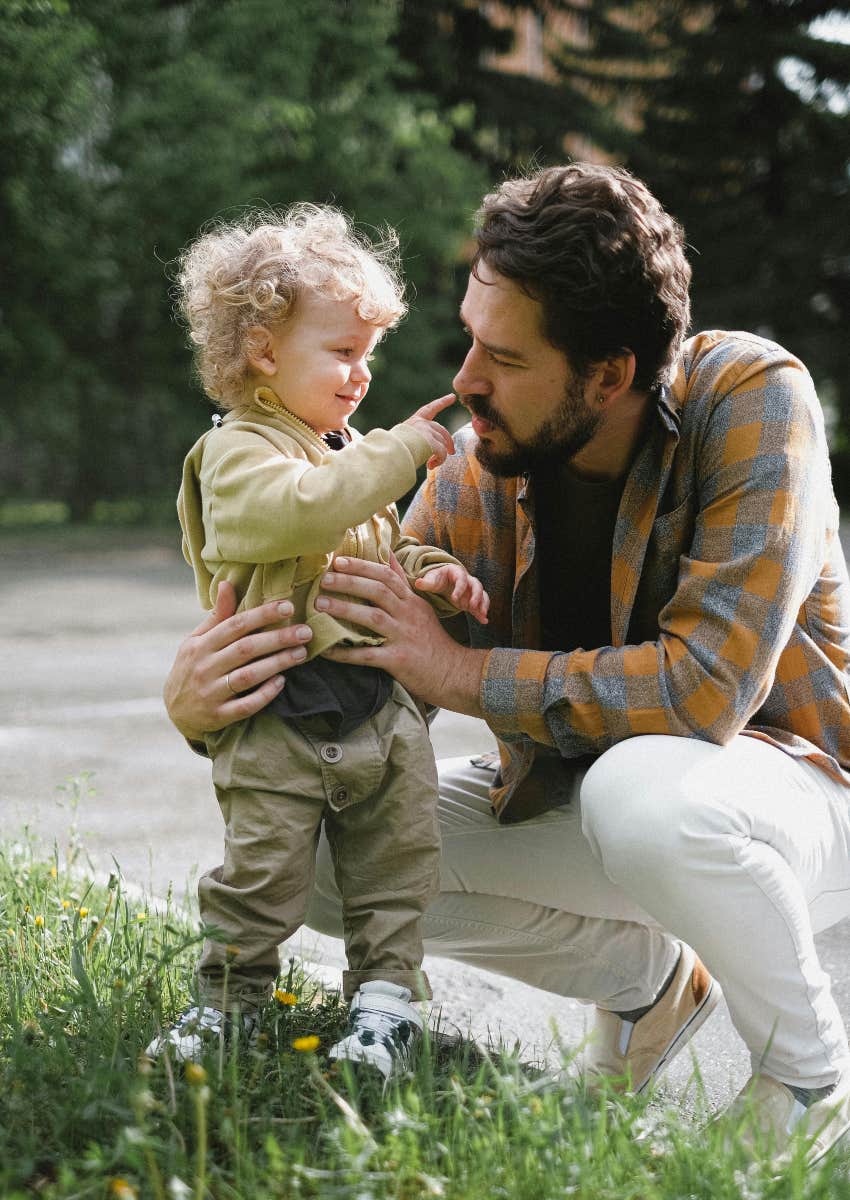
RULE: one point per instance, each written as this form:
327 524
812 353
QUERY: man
664 665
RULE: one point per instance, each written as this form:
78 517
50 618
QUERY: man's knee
643 800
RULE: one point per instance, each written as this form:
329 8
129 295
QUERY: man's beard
558 440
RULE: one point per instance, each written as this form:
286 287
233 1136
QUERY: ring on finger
230 686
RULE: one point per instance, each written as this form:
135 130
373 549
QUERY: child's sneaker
198 1029
383 1028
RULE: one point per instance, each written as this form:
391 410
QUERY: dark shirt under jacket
574 520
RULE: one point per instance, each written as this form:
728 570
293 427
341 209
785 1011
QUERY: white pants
741 851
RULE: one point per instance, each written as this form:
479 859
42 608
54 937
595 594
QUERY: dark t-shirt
575 522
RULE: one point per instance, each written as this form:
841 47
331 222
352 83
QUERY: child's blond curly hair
251 273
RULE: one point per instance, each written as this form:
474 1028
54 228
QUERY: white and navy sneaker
384 1028
198 1030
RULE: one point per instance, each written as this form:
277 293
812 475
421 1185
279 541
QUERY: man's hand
230 666
416 650
439 437
457 585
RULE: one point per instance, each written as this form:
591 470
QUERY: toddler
285 315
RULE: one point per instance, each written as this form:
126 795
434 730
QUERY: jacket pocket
279 579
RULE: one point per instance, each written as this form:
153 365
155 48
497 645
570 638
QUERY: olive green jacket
266 505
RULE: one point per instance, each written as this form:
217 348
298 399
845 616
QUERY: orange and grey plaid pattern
730 599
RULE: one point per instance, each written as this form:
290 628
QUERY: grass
88 976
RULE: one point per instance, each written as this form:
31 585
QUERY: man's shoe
630 1054
383 1029
197 1030
767 1119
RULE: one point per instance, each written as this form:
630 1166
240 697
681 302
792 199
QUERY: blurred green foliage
129 124
738 115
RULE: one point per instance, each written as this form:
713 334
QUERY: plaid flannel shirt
730 599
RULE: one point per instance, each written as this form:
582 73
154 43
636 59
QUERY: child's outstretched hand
439 437
456 584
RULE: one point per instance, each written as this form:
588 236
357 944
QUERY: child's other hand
456 584
423 422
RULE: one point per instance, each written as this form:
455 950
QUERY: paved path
86 641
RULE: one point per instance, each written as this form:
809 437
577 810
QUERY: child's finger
460 593
479 611
430 410
432 582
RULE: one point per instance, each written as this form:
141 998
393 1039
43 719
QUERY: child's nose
360 371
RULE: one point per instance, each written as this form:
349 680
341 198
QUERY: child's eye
344 350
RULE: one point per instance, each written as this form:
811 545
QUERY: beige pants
739 850
278 783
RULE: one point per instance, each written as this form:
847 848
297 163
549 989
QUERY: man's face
528 407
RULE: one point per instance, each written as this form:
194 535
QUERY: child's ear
260 350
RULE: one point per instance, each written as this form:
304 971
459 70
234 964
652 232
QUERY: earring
600 399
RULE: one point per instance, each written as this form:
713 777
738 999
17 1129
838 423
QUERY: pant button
339 795
331 752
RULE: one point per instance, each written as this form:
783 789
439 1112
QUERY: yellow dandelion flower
84 912
141 916
122 1189
53 872
39 921
306 1045
195 1074
285 997
231 952
26 908
66 903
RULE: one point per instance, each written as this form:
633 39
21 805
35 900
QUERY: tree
736 114
457 51
192 111
50 97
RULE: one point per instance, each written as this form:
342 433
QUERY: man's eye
500 361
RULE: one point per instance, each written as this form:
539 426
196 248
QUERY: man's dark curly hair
607 263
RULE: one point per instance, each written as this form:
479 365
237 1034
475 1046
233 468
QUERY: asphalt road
88 628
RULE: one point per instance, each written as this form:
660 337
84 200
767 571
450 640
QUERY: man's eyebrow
500 351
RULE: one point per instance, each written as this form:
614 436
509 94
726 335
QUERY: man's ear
260 350
614 376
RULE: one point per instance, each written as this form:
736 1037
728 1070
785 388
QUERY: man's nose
470 379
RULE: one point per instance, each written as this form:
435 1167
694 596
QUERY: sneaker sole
840 1141
700 1015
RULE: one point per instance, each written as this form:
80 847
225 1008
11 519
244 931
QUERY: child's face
320 359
